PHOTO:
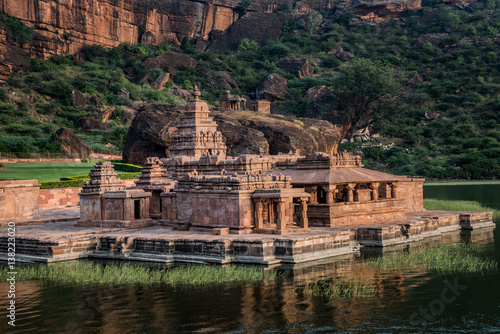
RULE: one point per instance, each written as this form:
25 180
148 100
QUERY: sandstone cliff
61 27
244 132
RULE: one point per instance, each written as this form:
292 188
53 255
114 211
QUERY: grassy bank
95 273
460 183
44 171
442 259
439 204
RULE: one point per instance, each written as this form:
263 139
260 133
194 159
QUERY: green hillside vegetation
445 127
35 104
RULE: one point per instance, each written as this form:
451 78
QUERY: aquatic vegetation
341 288
441 259
188 276
449 205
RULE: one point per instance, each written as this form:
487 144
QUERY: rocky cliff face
63 26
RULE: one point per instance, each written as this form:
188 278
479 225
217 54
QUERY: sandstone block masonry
19 200
105 202
59 197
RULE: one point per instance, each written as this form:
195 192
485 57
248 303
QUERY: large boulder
79 100
182 93
317 92
244 133
301 135
128 114
150 132
433 39
220 78
223 81
160 82
341 54
273 87
88 124
299 66
71 145
170 62
240 139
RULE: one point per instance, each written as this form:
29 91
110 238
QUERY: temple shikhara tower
197 133
199 188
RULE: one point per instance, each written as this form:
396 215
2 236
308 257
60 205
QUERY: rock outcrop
71 145
273 87
299 66
341 54
150 133
170 62
220 78
317 92
79 100
88 124
160 82
381 10
433 39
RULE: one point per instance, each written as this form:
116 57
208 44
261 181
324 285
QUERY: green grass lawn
44 171
460 183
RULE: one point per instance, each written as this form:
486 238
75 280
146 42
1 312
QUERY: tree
359 88
242 7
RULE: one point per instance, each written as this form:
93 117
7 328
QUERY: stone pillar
259 221
374 187
281 219
394 189
356 188
304 222
330 194
313 191
350 192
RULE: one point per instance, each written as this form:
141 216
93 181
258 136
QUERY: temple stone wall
19 200
59 197
412 192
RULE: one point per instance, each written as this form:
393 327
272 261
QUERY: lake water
409 302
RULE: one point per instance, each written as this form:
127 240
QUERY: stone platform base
421 226
127 224
63 241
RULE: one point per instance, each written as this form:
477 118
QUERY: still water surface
278 308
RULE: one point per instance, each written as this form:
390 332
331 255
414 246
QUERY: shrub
276 50
126 167
154 95
61 184
19 31
122 176
4 94
248 45
242 7
94 51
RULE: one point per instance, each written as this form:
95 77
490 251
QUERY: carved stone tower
197 133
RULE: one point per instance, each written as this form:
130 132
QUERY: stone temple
201 205
199 188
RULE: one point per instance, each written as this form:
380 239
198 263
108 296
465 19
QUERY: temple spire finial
196 93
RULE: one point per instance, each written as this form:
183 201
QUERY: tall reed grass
441 259
189 276
341 288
